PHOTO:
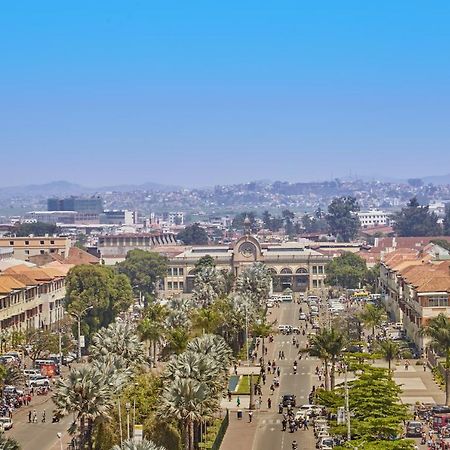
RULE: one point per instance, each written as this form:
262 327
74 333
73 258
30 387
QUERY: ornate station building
294 265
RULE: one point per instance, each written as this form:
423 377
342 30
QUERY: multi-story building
114 248
118 217
415 288
32 298
24 247
373 218
294 265
92 205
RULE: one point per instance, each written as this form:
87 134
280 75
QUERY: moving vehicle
302 316
48 367
414 429
6 423
288 400
37 381
286 298
325 443
285 328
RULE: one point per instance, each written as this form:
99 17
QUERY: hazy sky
205 92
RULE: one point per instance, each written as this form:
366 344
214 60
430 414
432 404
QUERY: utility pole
252 403
246 335
347 409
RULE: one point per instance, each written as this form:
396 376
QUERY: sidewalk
240 434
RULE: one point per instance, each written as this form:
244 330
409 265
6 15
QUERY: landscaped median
243 387
214 434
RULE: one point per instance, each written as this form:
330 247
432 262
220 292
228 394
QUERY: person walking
229 395
250 416
43 416
29 416
269 403
34 416
238 402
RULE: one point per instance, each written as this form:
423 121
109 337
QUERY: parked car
325 443
302 316
6 423
32 372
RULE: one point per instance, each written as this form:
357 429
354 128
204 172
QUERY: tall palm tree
372 317
8 443
328 345
438 330
153 332
131 445
188 401
389 350
213 346
85 393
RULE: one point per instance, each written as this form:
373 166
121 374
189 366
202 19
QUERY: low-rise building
24 247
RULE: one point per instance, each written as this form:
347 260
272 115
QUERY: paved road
268 434
39 436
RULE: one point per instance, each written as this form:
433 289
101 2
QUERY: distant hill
437 179
61 188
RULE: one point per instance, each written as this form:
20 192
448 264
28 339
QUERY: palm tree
120 339
8 443
438 330
12 375
153 332
254 282
372 317
389 350
328 345
188 401
213 346
131 445
85 393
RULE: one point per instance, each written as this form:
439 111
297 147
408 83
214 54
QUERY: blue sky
203 92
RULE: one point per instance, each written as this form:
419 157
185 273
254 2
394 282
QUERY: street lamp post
128 407
78 317
347 409
59 435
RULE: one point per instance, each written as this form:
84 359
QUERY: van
32 372
286 298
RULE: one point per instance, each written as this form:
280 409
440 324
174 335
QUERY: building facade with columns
294 265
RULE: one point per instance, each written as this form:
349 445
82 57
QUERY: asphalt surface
39 436
269 435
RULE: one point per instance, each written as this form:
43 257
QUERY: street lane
269 435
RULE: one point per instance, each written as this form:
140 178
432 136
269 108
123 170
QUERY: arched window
301 271
286 270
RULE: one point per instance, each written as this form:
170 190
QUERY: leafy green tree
193 235
372 277
101 287
390 350
36 229
342 219
209 284
153 332
438 330
372 317
288 217
41 342
144 269
416 220
203 262
348 270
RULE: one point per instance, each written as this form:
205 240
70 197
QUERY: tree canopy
144 269
101 287
416 220
193 235
36 229
342 219
348 270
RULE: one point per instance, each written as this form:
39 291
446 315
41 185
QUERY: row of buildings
415 286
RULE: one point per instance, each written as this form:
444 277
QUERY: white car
302 316
269 304
37 381
325 443
6 423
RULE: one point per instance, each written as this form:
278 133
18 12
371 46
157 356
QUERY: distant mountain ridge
60 188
